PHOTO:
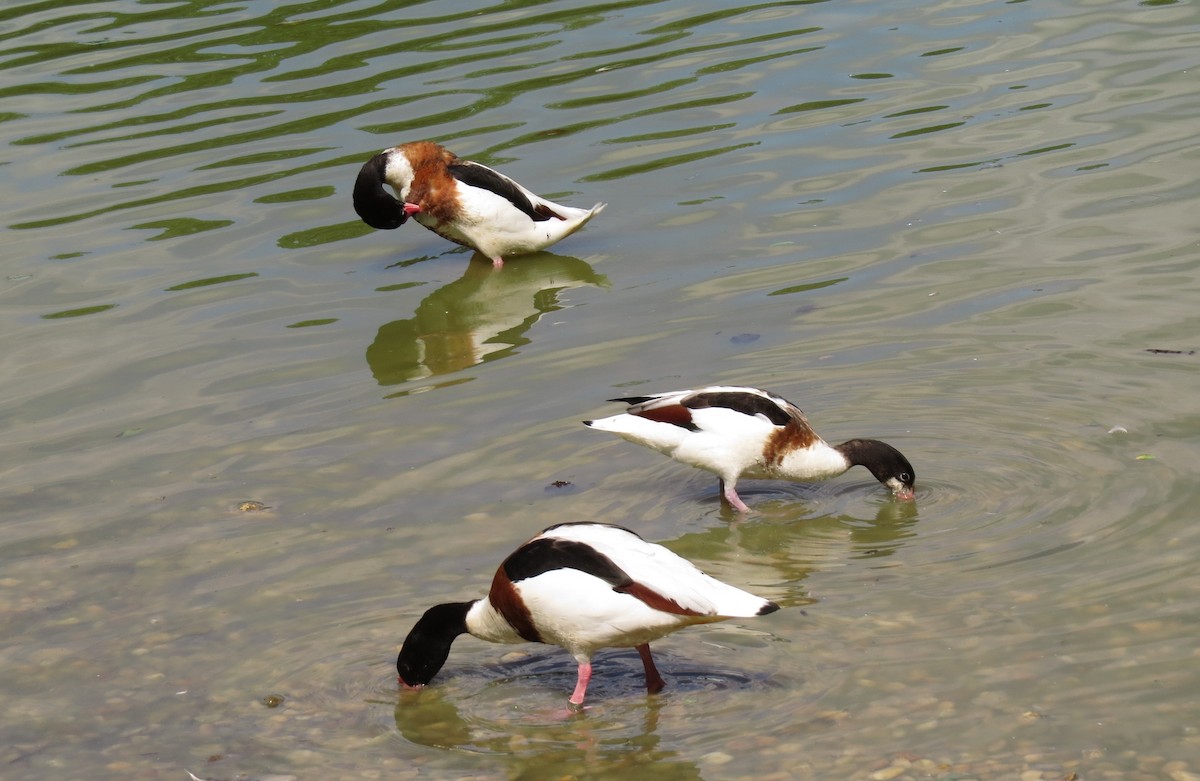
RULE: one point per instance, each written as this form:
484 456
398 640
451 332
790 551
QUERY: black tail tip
768 608
588 423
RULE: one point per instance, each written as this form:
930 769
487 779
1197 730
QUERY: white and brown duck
739 432
581 586
460 200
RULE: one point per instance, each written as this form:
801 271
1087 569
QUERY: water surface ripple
247 440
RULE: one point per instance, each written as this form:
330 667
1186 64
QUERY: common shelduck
465 202
582 586
746 432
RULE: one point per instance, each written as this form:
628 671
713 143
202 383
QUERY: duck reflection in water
478 318
564 744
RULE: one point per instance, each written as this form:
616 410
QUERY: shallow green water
957 227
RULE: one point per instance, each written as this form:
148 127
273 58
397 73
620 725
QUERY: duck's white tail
577 218
663 437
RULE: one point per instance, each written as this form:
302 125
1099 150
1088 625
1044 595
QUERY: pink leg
497 262
654 681
732 497
581 683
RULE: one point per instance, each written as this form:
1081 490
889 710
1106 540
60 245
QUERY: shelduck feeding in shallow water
465 202
582 586
746 432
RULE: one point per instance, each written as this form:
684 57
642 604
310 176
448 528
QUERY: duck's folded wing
679 407
657 576
671 583
747 401
477 175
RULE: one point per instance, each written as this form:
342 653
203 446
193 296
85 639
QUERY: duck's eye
905 477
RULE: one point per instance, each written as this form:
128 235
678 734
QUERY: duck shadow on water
482 316
845 511
783 503
785 540
519 710
573 750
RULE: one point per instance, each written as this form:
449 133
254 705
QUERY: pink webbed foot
581 683
731 496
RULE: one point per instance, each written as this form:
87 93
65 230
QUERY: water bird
581 586
746 432
460 200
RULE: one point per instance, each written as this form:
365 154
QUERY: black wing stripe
739 401
485 178
631 400
547 554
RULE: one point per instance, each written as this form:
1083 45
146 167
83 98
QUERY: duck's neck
487 622
818 461
870 453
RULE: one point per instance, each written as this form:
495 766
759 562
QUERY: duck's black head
888 464
428 643
373 204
